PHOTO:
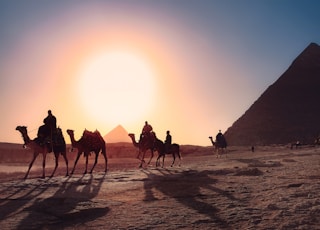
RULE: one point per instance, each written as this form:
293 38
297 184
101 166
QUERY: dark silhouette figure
168 141
50 121
145 135
48 131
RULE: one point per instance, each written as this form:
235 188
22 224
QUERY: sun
116 87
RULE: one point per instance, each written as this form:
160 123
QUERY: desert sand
271 188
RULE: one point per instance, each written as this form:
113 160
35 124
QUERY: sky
189 66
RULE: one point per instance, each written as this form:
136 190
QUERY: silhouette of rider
146 132
168 141
219 136
46 131
50 121
221 141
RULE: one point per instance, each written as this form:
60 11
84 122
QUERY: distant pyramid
118 134
289 110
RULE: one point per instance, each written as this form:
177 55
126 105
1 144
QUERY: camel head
133 138
24 133
22 129
70 132
212 141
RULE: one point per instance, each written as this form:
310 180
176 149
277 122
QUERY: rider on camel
46 131
146 132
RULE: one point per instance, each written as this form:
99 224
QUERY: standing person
167 142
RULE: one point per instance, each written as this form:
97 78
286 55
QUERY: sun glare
116 87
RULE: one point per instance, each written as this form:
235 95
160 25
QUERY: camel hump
93 138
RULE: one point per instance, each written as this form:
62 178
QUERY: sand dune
272 188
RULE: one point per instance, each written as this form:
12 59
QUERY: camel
89 142
220 146
143 147
58 147
174 150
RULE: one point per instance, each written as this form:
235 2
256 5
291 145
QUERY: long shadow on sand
20 194
186 187
70 205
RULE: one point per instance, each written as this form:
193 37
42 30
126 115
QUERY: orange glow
116 86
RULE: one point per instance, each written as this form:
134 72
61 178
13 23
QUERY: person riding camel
146 132
221 141
46 131
219 136
50 121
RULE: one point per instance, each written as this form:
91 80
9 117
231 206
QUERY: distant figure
220 144
252 148
168 141
219 137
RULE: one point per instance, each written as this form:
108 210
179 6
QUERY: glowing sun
116 87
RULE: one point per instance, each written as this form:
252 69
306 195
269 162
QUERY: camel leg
87 159
163 156
180 158
174 159
67 163
106 162
44 165
75 163
57 162
150 157
157 161
95 161
142 160
31 163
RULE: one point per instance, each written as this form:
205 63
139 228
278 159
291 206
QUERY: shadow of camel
186 187
20 194
70 205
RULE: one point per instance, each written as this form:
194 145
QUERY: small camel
89 142
58 147
143 147
219 146
160 148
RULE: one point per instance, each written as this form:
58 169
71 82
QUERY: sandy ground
272 188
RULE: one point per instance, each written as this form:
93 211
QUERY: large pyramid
289 110
118 134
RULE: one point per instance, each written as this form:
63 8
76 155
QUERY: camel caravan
50 139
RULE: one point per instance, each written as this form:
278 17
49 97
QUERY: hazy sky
191 67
